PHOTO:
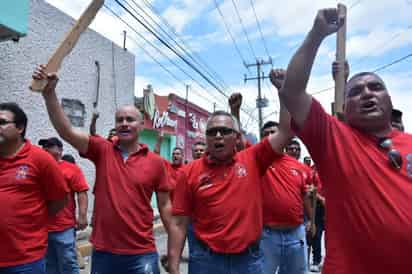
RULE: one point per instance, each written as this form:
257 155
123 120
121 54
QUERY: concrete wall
47 27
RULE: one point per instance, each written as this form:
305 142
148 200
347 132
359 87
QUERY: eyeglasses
211 132
4 122
292 149
394 156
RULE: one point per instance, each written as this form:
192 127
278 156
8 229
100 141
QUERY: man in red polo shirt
61 257
31 188
285 199
127 174
222 195
365 165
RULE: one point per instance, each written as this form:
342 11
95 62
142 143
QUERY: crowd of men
244 208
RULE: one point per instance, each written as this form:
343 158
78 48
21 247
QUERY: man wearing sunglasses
221 194
32 188
365 165
127 175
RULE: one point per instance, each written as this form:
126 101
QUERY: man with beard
127 174
365 165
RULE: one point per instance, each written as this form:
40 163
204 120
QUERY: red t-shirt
283 193
27 182
369 203
123 216
225 201
172 171
66 218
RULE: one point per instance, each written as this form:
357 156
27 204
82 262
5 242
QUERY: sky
378 33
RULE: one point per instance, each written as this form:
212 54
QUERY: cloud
378 41
180 13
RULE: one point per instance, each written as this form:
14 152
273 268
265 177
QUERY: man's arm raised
61 123
293 94
280 138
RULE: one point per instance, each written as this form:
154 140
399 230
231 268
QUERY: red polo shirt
27 182
283 193
172 171
225 201
369 208
123 216
66 218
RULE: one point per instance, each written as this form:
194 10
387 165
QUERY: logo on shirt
21 172
240 171
205 181
294 172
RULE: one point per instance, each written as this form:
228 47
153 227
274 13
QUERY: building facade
97 72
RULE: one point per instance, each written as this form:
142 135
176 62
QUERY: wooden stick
69 42
340 58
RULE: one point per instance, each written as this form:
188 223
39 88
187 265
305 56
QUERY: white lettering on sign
193 122
163 120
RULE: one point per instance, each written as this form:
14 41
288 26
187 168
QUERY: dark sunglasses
211 132
292 149
394 156
4 122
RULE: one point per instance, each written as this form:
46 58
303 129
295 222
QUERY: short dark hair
69 158
396 113
270 124
199 143
361 74
20 118
178 148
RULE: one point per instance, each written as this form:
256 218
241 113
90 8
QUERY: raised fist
51 78
277 77
327 21
235 101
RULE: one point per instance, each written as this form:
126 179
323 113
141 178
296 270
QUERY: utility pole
260 102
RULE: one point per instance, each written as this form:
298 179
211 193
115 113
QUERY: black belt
252 248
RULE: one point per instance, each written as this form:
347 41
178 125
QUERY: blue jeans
284 250
109 263
61 256
204 261
190 237
36 267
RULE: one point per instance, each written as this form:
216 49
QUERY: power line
244 29
393 63
154 46
260 29
189 52
156 61
230 33
207 79
383 67
153 9
385 43
354 4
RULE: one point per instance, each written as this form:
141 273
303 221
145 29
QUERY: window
75 110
